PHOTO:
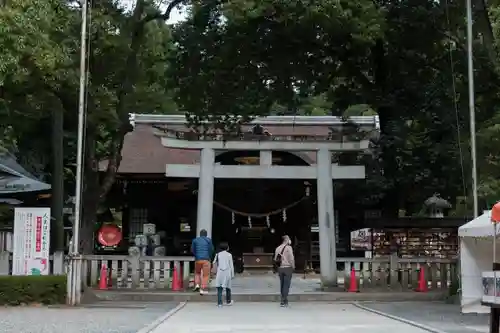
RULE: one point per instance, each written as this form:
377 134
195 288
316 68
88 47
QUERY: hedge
24 290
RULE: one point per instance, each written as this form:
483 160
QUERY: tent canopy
476 256
480 227
15 179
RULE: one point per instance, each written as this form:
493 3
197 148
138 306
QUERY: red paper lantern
109 235
495 213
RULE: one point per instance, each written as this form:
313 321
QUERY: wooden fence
126 272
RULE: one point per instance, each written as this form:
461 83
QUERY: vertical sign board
31 241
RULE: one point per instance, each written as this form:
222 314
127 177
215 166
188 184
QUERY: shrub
43 289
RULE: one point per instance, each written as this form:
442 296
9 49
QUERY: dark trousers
285 274
219 295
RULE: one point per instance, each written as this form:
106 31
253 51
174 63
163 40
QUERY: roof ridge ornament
258 129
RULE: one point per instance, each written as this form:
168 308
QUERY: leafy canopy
239 58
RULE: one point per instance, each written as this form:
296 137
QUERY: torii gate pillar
326 219
206 191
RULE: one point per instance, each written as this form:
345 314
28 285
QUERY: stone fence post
58 267
4 263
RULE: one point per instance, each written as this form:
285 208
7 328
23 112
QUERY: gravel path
444 317
123 318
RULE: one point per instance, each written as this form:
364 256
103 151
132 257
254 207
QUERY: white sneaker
197 287
230 303
202 292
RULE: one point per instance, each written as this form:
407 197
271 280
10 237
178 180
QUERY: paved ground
269 317
444 317
304 317
103 319
269 284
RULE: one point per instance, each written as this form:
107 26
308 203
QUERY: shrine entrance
307 136
253 214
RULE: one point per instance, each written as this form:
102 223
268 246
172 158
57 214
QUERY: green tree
39 73
243 58
389 58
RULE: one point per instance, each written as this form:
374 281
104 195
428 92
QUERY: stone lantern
435 206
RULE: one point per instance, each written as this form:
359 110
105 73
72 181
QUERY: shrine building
275 177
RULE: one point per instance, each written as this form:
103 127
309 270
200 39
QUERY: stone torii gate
174 134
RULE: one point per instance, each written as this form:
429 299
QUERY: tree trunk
129 74
91 198
57 198
390 201
137 33
94 191
90 206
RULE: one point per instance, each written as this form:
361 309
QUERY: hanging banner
361 240
31 241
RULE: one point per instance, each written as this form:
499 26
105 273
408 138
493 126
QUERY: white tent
476 256
480 227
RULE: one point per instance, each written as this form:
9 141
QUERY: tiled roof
143 152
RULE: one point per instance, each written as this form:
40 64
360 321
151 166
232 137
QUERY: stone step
159 296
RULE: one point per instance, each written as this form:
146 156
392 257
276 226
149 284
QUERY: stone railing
6 241
400 274
125 272
136 272
156 272
246 136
